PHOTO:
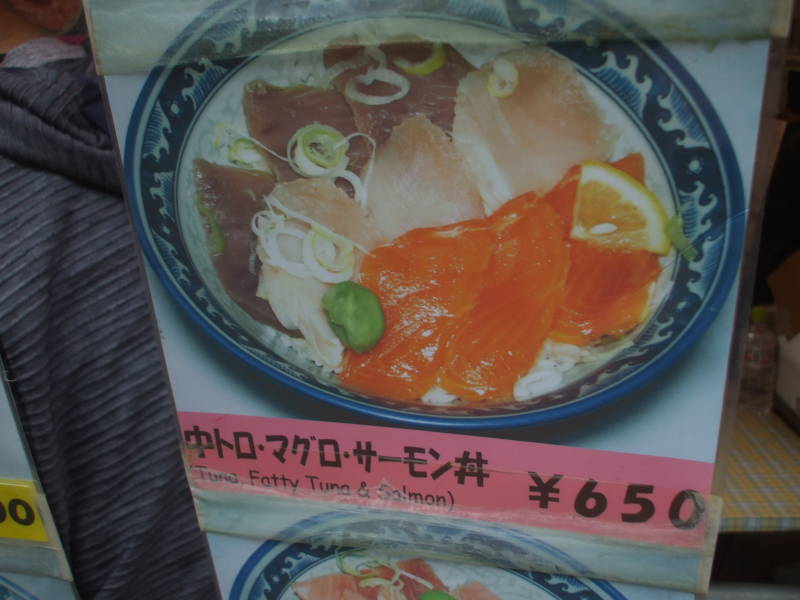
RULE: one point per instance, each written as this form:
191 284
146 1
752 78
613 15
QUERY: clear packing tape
133 37
32 557
490 538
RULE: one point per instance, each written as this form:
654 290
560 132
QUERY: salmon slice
607 293
499 340
632 164
329 587
475 591
562 197
426 280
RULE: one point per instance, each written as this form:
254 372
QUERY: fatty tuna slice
418 180
232 196
526 142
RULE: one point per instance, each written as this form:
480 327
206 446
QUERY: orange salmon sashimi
330 587
500 339
426 280
475 590
608 291
562 197
631 164
607 294
414 578
469 306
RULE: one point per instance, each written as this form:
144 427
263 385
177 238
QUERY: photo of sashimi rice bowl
308 572
442 232
358 575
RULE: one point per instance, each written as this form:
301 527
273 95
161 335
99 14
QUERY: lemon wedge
425 67
612 209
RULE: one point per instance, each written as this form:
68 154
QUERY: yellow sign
19 516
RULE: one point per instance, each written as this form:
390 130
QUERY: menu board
455 279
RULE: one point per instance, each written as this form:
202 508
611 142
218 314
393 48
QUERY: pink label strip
629 496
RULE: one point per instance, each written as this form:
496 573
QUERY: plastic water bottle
759 366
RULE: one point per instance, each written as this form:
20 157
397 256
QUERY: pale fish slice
418 180
297 303
526 141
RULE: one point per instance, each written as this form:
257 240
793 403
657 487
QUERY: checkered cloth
763 477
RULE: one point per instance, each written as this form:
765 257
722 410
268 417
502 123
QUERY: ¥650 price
19 516
19 511
685 509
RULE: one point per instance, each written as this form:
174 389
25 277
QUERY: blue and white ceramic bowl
276 565
641 87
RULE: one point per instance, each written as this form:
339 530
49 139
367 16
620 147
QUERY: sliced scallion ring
315 150
364 568
674 231
215 236
328 257
274 202
503 79
220 133
341 67
324 254
376 54
424 67
374 582
276 257
242 152
323 145
372 75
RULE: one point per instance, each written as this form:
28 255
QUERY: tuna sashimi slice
426 280
525 142
475 591
274 114
432 95
319 199
329 587
500 338
232 196
607 293
418 180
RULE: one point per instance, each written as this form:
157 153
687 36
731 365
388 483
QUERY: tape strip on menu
289 521
647 499
114 25
20 518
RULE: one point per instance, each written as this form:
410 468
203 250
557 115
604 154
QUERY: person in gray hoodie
76 334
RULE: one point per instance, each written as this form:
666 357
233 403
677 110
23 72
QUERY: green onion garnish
674 231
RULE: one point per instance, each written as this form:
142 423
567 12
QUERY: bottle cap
759 314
